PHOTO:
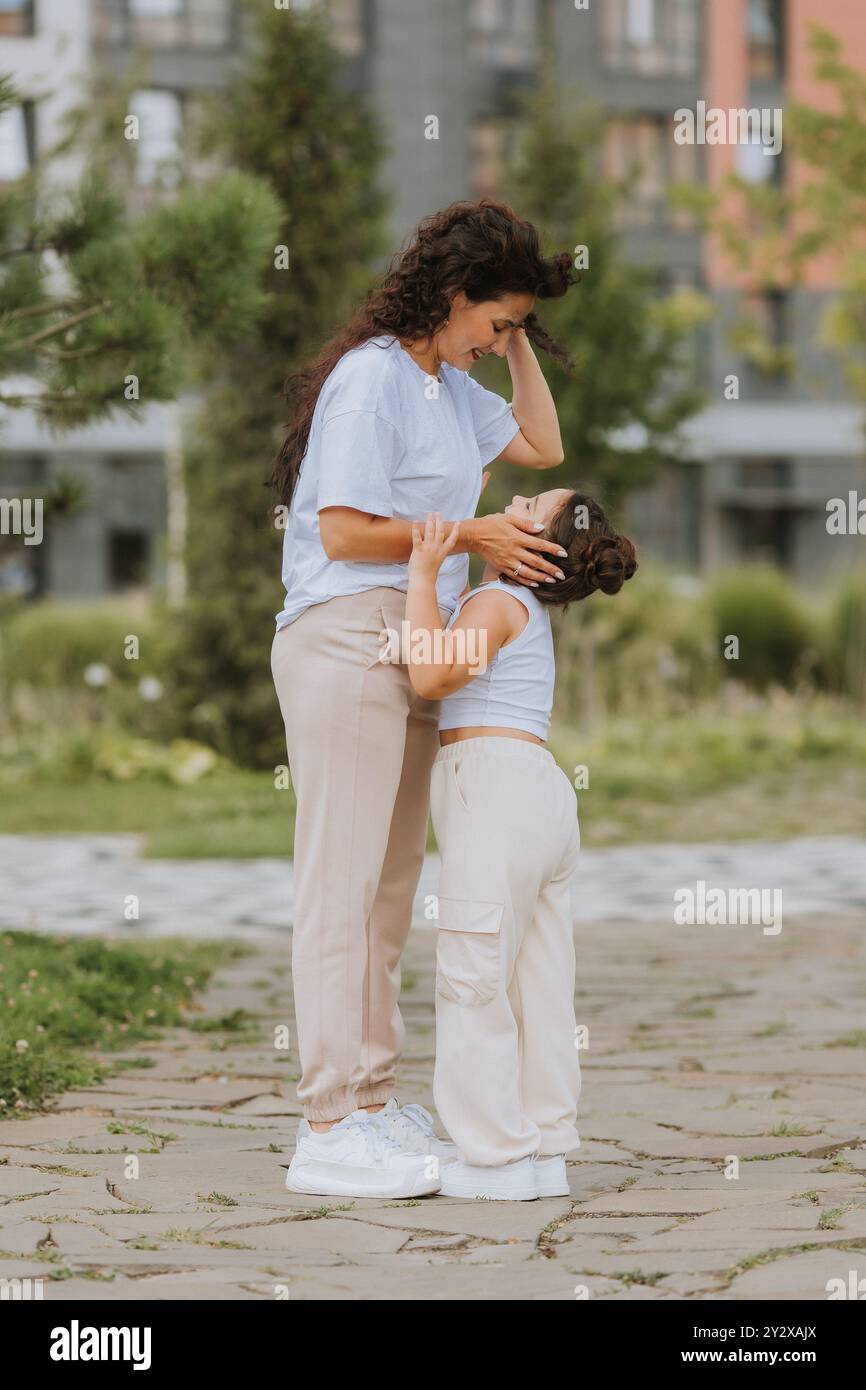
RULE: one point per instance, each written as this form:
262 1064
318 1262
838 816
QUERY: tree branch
24 343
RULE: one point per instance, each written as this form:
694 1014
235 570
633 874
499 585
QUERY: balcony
197 25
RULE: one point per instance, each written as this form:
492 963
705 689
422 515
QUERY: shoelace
375 1135
416 1116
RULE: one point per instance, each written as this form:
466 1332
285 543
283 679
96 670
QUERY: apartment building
762 466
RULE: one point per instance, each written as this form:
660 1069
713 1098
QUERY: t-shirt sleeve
495 425
359 452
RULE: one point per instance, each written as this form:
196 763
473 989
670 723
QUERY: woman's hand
511 546
431 547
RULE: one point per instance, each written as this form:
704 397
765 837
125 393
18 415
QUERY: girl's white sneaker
412 1127
507 1182
358 1158
550 1176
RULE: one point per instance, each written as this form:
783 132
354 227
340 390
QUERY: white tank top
516 690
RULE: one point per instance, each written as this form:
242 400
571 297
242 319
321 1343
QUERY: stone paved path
91 876
703 1043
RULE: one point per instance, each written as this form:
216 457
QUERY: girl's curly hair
482 248
598 556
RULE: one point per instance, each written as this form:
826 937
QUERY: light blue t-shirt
389 439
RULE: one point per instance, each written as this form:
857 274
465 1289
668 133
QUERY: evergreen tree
104 310
105 307
289 118
630 346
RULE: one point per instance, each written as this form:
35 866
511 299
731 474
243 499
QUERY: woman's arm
440 661
503 541
538 443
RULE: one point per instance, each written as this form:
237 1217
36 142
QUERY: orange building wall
847 20
727 86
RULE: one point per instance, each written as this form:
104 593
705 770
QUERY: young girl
507 1077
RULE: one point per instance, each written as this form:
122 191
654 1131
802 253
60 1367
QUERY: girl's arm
538 443
441 661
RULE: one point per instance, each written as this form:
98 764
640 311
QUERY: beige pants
507 1079
360 745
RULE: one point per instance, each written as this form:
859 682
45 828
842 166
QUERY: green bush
777 645
51 643
845 643
649 647
50 653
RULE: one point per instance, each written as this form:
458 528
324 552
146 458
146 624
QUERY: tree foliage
289 118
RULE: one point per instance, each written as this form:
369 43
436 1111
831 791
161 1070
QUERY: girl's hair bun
608 562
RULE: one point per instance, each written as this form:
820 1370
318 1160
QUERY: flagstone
802 1276
661 1109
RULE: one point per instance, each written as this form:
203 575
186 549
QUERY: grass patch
771 772
238 1021
857 1038
230 814
67 998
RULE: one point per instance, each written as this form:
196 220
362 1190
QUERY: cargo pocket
468 950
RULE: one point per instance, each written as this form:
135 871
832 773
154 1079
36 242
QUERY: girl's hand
432 546
511 546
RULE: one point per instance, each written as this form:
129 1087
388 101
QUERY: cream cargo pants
360 745
507 1078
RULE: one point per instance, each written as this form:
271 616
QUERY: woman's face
474 330
543 507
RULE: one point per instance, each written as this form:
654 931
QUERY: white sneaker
507 1182
412 1127
358 1158
550 1176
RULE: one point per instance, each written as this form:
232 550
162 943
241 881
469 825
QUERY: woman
389 426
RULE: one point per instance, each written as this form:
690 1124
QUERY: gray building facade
760 468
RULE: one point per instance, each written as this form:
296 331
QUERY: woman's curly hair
482 248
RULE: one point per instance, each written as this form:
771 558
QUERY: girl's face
474 330
543 507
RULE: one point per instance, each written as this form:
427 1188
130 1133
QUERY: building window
771 310
157 23
17 141
503 33
128 559
765 535
650 37
160 129
767 475
347 26
16 19
165 23
642 151
761 335
764 37
754 164
493 150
